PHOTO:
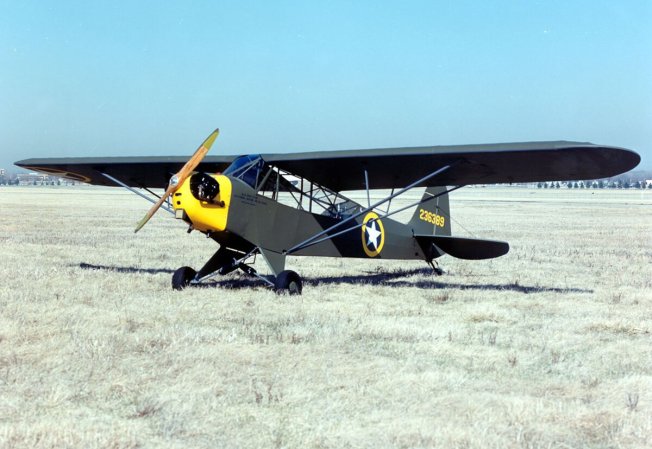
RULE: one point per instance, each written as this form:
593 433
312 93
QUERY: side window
252 174
246 168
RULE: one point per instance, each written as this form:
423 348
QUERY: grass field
549 346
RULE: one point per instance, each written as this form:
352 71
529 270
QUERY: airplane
279 205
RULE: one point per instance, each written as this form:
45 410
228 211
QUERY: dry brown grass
549 346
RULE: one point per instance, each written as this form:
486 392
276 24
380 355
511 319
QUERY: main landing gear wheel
182 277
288 281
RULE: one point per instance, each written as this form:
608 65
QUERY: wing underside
150 172
472 164
386 168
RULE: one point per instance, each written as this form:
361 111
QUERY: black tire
182 277
288 282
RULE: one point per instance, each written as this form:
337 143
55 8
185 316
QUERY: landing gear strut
225 261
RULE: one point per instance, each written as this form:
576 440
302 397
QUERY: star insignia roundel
373 235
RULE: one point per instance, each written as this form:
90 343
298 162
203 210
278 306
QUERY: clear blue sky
82 78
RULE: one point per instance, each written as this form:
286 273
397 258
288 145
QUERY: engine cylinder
204 187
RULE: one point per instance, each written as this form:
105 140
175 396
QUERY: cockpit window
247 168
260 176
282 186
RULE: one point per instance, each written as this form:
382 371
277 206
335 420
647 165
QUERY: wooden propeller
177 180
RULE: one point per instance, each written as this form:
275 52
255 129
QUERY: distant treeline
39 180
599 184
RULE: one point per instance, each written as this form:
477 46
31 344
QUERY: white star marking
373 234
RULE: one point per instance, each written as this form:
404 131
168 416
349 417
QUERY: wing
133 171
475 164
387 168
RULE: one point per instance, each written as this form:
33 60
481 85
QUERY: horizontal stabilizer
465 248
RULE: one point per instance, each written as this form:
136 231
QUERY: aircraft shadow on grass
90 266
384 278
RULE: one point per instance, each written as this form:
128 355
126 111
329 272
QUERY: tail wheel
288 281
182 277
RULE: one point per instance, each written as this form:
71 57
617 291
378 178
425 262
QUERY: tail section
432 216
431 227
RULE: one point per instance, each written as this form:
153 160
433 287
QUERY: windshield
247 168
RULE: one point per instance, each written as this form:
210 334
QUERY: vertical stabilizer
432 216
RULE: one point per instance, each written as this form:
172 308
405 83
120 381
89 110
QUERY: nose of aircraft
177 180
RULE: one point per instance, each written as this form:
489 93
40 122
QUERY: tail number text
432 217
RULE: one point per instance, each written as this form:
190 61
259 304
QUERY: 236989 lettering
432 217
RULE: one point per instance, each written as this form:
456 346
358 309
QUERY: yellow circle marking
376 226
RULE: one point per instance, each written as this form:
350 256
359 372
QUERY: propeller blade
181 176
150 213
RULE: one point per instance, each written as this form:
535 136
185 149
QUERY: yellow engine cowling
204 216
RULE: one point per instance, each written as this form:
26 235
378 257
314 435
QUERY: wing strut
366 184
131 189
311 240
416 203
387 214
